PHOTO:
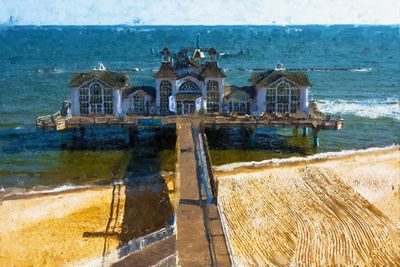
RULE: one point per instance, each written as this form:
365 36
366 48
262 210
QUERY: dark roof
265 78
114 79
231 89
166 71
150 90
211 69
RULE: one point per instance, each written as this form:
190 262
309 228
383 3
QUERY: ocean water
354 70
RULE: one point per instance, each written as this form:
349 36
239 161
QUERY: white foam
277 162
362 70
57 189
373 109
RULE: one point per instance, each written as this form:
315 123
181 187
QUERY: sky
199 12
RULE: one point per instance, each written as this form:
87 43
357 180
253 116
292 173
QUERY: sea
354 71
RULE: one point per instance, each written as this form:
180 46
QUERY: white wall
304 99
117 102
261 102
75 107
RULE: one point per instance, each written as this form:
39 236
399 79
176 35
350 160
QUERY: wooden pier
199 235
61 123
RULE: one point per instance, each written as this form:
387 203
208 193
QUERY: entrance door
185 107
188 107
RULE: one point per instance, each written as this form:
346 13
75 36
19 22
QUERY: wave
296 160
62 188
373 109
361 70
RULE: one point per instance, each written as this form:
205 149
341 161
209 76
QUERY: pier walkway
200 239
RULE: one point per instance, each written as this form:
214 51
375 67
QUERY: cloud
195 12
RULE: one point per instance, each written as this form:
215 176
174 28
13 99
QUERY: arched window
282 97
212 96
96 99
165 92
84 101
138 104
189 87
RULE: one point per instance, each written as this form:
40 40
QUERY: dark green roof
150 90
263 79
211 70
114 79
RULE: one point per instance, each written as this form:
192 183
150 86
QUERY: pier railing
144 241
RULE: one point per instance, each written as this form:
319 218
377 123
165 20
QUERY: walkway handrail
143 241
204 171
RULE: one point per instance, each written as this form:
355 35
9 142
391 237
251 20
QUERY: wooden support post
305 131
82 132
295 131
315 137
251 136
133 135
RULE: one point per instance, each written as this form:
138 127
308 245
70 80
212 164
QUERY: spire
212 55
100 67
165 55
279 66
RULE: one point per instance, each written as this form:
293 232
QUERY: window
189 87
138 104
212 96
84 101
283 99
271 100
165 92
294 100
108 102
96 99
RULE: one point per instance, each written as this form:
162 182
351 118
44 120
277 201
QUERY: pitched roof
166 71
265 78
150 90
114 79
231 90
211 69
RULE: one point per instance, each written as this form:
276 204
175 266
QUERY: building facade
186 83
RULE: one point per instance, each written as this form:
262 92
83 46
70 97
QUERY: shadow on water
35 159
228 145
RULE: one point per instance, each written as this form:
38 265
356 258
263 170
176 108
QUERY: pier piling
315 137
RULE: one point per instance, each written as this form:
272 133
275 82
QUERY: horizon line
196 25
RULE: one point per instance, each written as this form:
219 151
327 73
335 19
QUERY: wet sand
336 211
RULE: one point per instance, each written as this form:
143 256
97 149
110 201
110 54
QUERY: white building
189 79
189 84
281 91
98 92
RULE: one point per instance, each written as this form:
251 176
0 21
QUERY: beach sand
49 230
81 226
336 210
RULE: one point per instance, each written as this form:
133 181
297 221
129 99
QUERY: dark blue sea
354 71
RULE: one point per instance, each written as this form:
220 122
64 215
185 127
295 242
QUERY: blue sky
200 12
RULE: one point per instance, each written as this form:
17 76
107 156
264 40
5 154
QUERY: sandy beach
327 210
78 227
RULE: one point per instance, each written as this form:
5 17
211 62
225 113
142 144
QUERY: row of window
212 99
95 100
283 99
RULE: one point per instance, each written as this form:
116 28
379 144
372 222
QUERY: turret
165 56
212 55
